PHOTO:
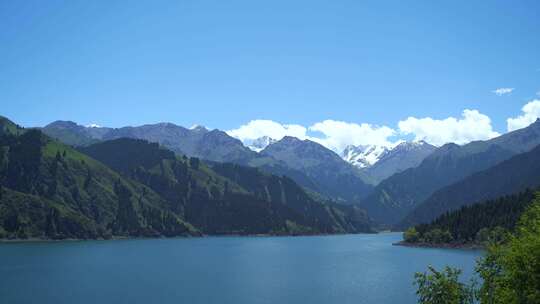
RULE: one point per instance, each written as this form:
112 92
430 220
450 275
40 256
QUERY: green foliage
512 175
411 235
510 270
194 163
53 191
442 287
492 236
7 127
129 187
226 198
487 222
437 236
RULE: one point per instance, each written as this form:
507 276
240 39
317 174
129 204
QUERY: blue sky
225 63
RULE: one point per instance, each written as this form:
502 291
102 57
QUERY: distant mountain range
218 146
513 175
332 175
199 142
130 187
380 162
395 197
409 183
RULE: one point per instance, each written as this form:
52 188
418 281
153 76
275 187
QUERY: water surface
250 270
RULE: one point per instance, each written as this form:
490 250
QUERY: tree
443 287
511 271
88 178
437 236
194 162
411 235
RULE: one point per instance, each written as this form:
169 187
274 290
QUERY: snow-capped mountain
380 162
259 144
363 156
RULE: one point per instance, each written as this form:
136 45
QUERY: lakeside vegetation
509 272
472 226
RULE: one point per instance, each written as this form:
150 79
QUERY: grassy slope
226 198
78 197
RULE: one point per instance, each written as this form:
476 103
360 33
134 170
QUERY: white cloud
93 125
503 91
334 135
261 127
531 111
472 126
339 134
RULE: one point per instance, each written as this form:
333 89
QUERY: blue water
323 269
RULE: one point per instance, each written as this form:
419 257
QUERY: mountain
259 144
379 162
49 190
333 176
401 157
396 196
9 127
130 187
363 156
73 134
199 142
510 176
226 198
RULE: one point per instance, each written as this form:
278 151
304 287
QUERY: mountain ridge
399 194
516 174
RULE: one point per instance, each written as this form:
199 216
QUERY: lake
363 268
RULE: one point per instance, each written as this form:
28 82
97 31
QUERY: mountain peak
63 124
413 145
363 156
260 143
198 128
290 139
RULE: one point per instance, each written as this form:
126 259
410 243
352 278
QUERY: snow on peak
364 156
198 128
259 144
93 125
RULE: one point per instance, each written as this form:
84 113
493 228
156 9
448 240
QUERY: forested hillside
395 197
312 166
226 198
129 187
510 176
50 190
474 224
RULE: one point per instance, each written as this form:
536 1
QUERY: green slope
50 190
395 197
510 176
474 224
226 198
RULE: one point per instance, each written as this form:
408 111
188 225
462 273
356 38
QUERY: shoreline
440 246
119 238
